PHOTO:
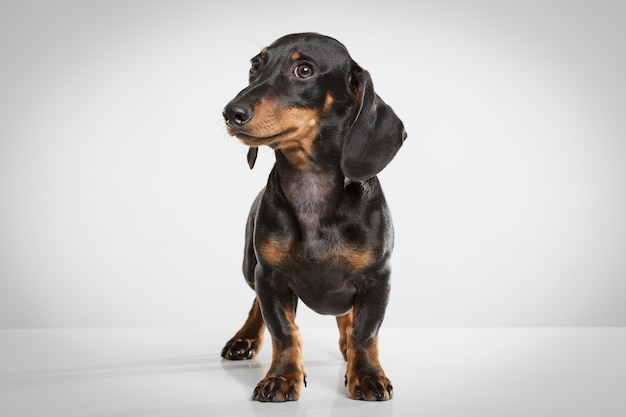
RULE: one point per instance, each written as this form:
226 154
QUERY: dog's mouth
272 141
269 123
291 131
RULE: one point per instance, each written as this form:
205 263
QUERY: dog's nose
237 114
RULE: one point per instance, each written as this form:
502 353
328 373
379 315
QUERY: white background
123 201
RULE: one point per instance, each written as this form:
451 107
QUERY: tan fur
357 258
328 102
273 251
291 130
355 380
343 323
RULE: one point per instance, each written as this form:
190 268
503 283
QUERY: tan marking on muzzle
291 130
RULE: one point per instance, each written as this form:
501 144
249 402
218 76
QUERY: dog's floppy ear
375 136
252 152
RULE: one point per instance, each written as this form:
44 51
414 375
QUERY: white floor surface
503 372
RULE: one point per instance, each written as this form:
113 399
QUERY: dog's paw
237 349
369 387
279 389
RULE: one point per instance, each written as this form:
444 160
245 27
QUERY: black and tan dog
320 231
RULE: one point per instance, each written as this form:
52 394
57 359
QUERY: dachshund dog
320 231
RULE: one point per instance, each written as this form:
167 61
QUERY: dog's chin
272 140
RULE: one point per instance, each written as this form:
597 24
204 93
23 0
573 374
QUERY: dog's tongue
252 152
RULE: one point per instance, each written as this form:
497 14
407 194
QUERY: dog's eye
303 70
255 65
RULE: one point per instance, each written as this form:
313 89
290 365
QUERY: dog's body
320 231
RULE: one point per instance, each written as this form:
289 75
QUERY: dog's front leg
286 375
365 377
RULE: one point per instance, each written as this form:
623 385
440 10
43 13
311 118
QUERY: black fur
320 231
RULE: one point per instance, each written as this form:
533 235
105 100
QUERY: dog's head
306 93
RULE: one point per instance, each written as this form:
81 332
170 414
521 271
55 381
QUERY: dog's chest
320 239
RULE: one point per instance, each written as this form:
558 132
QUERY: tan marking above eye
295 56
